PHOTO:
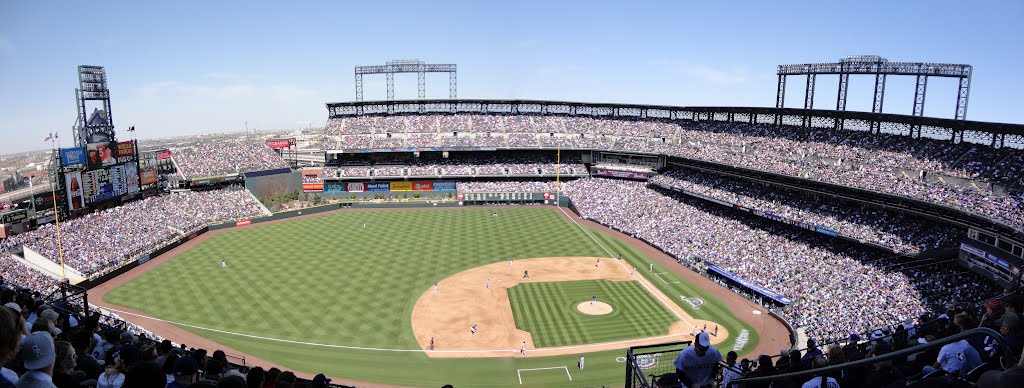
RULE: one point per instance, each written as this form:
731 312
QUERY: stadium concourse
886 163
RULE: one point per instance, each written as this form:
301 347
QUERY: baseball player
488 283
581 362
593 300
472 329
364 224
522 350
435 287
652 267
716 331
526 274
510 262
632 271
223 264
431 343
598 262
494 213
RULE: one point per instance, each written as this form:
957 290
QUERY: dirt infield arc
774 334
464 299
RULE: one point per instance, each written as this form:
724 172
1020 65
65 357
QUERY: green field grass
328 281
548 311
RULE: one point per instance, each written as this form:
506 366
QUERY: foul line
553 367
391 350
663 279
643 281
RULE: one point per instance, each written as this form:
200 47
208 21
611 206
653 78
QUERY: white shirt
816 383
698 368
8 374
110 381
958 356
730 373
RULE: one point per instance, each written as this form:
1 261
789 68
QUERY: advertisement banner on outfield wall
444 186
355 187
317 187
401 186
378 186
422 186
334 187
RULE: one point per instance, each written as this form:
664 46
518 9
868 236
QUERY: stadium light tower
406 66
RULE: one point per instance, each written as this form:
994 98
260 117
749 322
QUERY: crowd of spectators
220 158
506 165
836 287
58 346
886 163
976 360
902 234
100 241
516 186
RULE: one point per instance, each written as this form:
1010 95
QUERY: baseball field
352 294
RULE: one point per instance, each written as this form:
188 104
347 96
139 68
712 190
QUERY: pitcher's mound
598 308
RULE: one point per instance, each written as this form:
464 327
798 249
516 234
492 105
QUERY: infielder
598 262
435 287
431 343
522 350
593 300
472 329
510 262
526 274
488 283
632 271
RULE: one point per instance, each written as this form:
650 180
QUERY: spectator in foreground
186 372
38 356
64 375
697 364
731 370
10 338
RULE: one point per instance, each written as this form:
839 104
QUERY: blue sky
190 67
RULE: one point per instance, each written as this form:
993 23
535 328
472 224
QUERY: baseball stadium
466 242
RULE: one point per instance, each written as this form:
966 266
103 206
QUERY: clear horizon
193 67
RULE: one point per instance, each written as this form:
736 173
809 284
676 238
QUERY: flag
49 136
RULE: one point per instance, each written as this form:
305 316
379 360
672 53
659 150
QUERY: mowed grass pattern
548 311
328 280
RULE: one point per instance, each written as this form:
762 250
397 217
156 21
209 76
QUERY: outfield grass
548 311
328 280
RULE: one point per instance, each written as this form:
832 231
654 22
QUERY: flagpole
56 214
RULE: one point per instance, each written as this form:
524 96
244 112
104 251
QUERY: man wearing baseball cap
37 352
186 372
697 365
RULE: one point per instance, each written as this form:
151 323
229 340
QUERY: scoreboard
110 182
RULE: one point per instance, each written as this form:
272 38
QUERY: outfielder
223 264
581 362
652 267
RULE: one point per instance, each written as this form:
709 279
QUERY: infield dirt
464 299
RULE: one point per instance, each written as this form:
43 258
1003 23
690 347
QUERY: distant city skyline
196 67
